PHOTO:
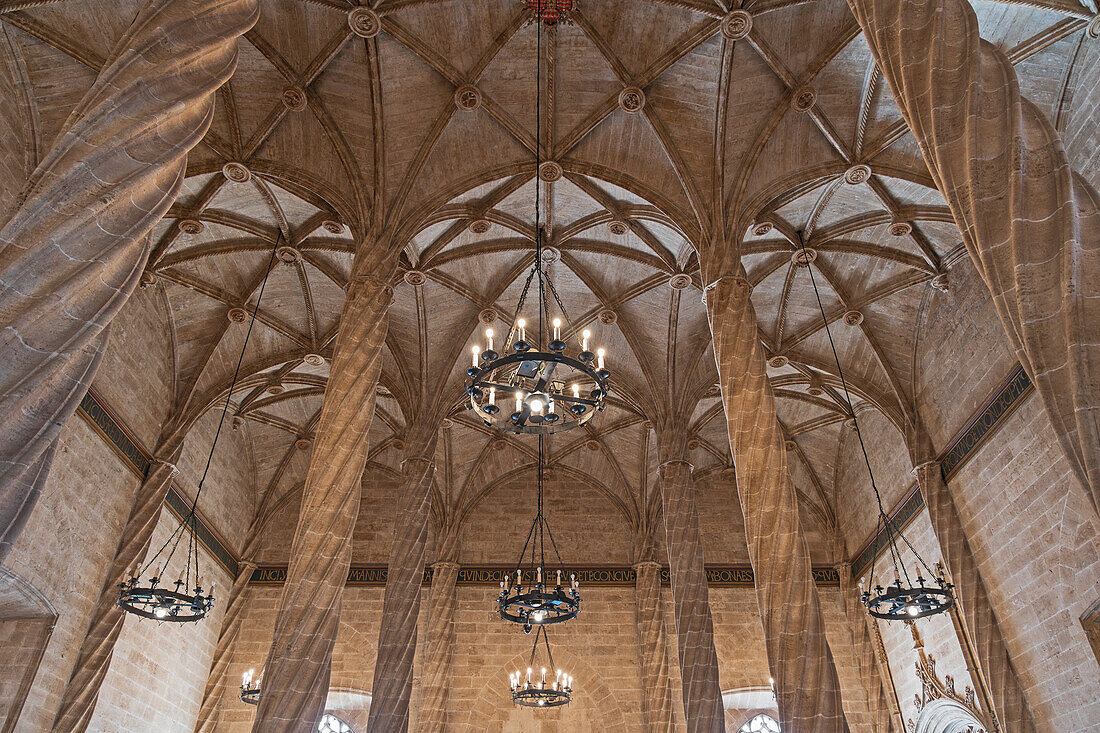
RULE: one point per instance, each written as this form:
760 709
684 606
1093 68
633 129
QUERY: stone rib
807 685
649 616
694 628
82 691
72 254
1009 702
1030 223
440 650
393 668
296 675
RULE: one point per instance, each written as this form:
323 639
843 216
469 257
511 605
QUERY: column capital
429 463
742 287
673 462
173 469
926 465
445 564
646 564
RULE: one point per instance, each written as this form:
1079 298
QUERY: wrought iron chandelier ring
536 402
163 604
541 697
537 606
900 603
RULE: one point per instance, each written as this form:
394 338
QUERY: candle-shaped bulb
599 358
489 338
585 335
528 674
544 674
550 406
576 391
476 351
492 395
538 579
522 324
519 401
559 578
557 329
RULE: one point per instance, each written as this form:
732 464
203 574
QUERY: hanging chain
889 525
188 522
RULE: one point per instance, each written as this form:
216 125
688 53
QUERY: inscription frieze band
719 576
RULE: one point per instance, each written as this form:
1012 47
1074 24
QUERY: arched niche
26 623
947 716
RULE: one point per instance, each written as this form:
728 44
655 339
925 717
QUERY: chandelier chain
189 520
888 524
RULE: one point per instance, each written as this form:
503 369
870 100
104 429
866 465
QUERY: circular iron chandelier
250 688
538 387
188 599
533 595
907 598
549 688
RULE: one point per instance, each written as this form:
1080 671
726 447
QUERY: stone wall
158 670
68 542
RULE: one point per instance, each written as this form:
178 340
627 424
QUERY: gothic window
761 724
331 724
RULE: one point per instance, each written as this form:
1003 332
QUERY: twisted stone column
650 618
440 651
881 704
296 675
79 699
393 668
72 254
694 628
1030 223
227 637
806 682
1002 682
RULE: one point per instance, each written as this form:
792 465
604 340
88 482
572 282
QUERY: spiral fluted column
806 682
217 680
296 675
73 252
440 649
393 668
79 699
691 608
881 704
652 649
1030 223
1001 680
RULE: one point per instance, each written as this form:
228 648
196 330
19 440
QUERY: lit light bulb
492 395
585 335
519 401
599 358
576 391
538 616
542 702
476 351
528 674
522 329
536 405
912 609
557 329
550 407
489 338
160 612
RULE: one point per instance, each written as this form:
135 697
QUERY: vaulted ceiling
422 138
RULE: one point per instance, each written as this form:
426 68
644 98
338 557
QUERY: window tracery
761 724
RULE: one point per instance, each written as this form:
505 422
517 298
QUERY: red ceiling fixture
551 12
